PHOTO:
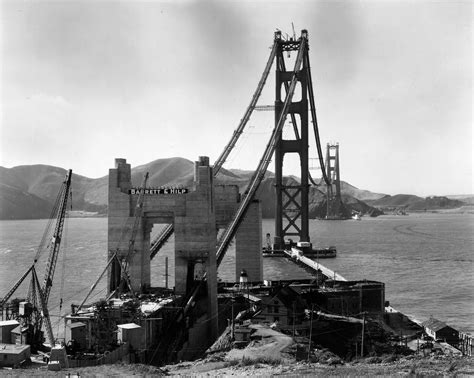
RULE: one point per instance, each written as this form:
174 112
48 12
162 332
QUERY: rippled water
425 260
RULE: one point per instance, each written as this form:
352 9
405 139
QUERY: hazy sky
84 82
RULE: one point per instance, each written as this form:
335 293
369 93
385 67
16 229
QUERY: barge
301 248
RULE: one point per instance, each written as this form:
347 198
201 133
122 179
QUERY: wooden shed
439 330
6 327
13 355
131 333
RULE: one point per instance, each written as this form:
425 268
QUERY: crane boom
13 289
56 239
137 215
43 305
123 266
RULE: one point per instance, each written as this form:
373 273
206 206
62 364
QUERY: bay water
426 261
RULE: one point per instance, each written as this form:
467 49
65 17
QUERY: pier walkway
313 265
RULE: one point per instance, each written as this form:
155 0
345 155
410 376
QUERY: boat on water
301 248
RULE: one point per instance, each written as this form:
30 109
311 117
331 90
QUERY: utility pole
166 272
232 320
363 330
294 317
310 330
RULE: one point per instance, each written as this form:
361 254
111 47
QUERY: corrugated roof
434 324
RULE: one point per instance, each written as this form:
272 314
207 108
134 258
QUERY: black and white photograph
236 188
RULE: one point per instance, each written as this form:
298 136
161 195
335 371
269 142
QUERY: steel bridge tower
291 217
334 201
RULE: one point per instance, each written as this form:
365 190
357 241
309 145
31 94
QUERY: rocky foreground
404 366
277 354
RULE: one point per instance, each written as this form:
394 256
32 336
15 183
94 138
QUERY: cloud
44 99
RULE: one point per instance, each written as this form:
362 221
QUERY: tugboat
306 249
299 248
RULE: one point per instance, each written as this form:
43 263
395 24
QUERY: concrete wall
121 219
248 245
195 238
196 217
120 224
227 199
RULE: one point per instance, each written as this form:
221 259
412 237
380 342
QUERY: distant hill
29 191
352 191
18 204
396 200
414 203
36 187
468 199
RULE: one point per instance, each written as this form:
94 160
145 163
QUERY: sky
84 82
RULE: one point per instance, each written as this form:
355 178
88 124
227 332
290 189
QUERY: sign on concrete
155 191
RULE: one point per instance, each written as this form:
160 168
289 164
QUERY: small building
76 332
12 355
350 297
439 330
6 327
242 334
131 333
283 306
19 335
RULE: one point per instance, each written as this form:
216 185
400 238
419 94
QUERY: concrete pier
315 266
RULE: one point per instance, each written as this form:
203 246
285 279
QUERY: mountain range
29 191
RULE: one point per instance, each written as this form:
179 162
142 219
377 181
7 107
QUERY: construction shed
77 333
439 330
6 327
131 333
13 355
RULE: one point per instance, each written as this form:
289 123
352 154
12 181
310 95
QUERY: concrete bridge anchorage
196 216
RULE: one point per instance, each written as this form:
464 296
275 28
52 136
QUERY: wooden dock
314 266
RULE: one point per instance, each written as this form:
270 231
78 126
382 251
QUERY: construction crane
35 312
121 266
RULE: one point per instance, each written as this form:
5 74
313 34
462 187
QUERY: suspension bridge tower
291 217
334 201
